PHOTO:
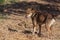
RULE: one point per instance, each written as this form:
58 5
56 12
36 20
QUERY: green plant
2 1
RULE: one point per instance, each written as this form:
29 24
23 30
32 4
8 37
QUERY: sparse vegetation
17 22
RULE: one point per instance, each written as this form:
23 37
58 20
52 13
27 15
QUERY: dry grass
12 22
12 27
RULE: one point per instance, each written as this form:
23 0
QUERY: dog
39 18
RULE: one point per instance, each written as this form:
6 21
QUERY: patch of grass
2 2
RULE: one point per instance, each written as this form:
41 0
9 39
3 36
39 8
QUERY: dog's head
30 12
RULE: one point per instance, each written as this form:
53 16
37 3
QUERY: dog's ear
28 10
33 10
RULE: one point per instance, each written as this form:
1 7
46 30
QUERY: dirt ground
17 27
14 28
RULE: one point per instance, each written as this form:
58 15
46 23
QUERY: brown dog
39 18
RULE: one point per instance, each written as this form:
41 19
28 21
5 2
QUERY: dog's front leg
34 25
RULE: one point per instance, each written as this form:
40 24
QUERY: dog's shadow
27 32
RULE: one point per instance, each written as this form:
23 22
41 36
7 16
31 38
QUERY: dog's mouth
28 15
